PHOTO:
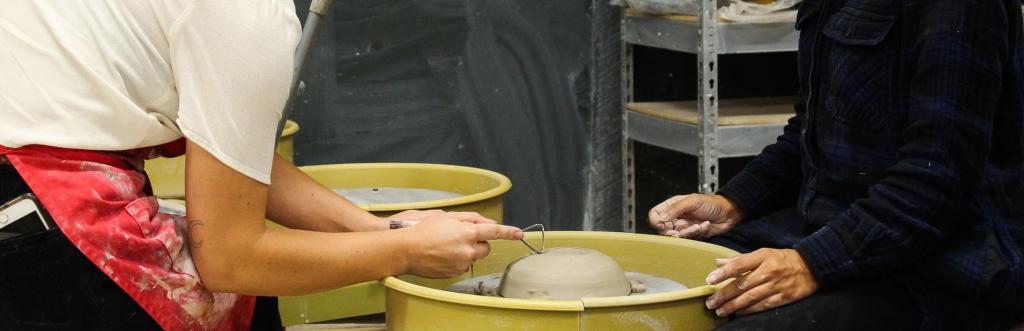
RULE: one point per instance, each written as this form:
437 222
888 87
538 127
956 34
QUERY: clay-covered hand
446 245
694 216
765 279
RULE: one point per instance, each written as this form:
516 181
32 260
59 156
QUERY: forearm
281 262
234 250
297 201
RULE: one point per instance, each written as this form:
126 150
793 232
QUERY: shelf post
628 172
707 96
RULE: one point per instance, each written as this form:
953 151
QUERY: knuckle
732 305
746 297
468 232
467 254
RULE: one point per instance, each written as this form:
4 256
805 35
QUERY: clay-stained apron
102 203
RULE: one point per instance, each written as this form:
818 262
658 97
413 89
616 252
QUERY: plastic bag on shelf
753 12
667 7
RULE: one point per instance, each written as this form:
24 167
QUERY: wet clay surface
565 273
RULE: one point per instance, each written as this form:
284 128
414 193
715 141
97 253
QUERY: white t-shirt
117 75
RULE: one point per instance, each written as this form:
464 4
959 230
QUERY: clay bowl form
564 273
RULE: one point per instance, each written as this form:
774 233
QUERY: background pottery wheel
381 195
564 273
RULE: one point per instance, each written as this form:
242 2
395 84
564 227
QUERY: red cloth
101 202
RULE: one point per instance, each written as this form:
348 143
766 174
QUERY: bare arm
297 201
235 252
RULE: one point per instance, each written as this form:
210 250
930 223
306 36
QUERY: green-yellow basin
414 303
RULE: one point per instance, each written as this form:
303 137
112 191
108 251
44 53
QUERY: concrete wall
505 85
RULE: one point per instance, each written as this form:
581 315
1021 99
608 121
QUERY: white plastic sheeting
730 10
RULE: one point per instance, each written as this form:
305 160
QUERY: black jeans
868 304
47 284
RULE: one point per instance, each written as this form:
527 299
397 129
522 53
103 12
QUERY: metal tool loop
542 239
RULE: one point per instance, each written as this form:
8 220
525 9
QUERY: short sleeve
232 63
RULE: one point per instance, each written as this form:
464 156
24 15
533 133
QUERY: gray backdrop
504 85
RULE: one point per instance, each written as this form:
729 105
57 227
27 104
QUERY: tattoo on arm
194 225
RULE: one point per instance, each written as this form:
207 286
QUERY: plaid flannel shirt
906 150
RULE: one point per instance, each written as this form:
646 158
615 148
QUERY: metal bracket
707 97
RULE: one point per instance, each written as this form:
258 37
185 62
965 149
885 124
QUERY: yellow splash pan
415 303
482 192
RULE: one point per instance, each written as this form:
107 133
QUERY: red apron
101 202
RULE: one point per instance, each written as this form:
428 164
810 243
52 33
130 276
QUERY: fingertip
504 232
680 226
714 277
688 232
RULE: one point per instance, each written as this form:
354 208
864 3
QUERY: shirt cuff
824 254
746 191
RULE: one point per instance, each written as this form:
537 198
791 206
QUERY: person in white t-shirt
90 87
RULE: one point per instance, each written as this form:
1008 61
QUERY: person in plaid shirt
894 199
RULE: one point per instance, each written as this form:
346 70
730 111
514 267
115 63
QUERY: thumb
684 206
659 212
485 232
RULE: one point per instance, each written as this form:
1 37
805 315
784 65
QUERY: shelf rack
706 128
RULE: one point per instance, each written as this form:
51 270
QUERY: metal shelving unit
706 128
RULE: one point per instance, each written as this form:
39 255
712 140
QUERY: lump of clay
564 273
